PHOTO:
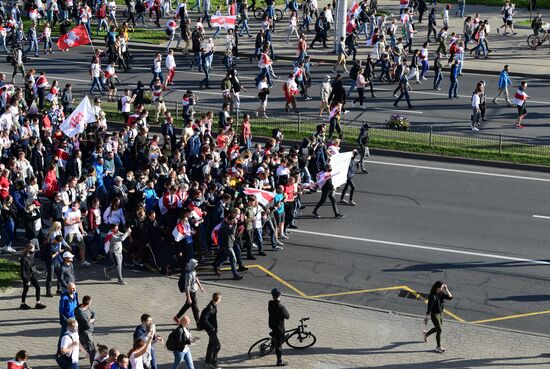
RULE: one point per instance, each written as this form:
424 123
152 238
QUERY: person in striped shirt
520 99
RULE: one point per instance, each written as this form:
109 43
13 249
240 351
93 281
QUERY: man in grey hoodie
188 284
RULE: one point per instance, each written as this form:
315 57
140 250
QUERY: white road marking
541 216
429 248
461 171
400 110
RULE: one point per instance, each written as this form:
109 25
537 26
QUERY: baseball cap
67 255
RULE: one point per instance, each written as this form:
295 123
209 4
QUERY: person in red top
291 195
4 184
246 132
20 360
51 185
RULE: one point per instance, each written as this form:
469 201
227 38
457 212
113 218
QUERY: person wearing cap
66 271
277 316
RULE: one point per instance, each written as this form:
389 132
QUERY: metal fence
417 137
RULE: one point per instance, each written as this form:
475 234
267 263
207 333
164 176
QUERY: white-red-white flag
264 197
76 122
224 21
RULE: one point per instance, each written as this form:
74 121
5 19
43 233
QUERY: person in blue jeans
33 41
438 74
183 341
453 89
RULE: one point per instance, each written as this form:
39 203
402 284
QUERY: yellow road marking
357 292
391 288
507 317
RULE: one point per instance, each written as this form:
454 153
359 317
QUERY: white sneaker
424 78
440 349
283 236
85 264
475 129
277 248
353 105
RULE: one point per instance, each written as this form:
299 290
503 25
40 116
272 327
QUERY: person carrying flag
113 246
520 99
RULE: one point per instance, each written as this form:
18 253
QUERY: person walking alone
503 82
29 276
113 246
277 316
189 283
209 322
438 294
520 100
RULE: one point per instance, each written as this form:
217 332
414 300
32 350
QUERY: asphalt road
474 230
432 107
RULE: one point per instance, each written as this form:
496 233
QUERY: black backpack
119 104
172 340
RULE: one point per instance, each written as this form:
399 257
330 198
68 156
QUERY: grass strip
9 273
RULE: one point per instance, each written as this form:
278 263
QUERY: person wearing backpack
188 284
68 353
179 342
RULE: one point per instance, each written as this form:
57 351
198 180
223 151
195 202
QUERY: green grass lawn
545 4
9 273
445 144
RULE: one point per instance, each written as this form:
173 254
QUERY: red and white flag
76 122
107 242
196 212
226 21
215 233
75 37
520 97
264 197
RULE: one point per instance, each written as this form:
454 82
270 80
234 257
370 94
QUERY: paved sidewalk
507 50
347 337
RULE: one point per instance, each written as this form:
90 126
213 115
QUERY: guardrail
416 138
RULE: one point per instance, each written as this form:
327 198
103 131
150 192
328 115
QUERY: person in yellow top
124 32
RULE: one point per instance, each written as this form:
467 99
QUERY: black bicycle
260 13
297 338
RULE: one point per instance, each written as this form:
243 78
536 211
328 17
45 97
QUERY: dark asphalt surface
432 107
460 212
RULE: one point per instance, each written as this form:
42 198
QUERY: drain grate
409 295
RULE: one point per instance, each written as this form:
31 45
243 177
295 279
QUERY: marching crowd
177 200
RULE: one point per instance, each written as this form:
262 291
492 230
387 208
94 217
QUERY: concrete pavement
347 336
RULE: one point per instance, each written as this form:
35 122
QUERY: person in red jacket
20 361
4 184
51 185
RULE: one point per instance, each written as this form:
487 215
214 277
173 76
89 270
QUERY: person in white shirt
157 70
74 232
171 66
184 340
139 349
293 27
476 111
95 74
70 346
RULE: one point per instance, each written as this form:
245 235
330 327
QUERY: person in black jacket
349 182
277 315
438 294
209 322
28 276
327 190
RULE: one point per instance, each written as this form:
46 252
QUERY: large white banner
340 164
76 122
